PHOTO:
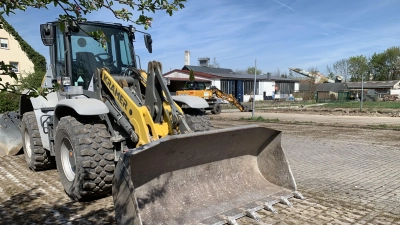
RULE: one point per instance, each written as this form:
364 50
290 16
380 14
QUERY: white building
241 86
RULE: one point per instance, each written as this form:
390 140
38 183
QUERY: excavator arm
229 98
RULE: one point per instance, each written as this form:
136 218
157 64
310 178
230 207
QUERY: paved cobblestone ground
348 176
346 182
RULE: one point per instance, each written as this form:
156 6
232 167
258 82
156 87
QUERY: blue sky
279 34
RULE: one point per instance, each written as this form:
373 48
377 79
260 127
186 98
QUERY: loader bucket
207 177
10 134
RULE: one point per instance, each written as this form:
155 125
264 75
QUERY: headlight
66 81
205 94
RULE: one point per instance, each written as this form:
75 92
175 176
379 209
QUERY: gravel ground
348 174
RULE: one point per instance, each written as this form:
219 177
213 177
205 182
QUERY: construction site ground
347 168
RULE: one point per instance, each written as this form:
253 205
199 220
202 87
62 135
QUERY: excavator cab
194 85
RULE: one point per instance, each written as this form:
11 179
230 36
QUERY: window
249 87
16 65
3 43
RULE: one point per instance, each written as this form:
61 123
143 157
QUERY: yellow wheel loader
109 126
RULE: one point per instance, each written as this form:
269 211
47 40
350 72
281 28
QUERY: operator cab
87 54
194 85
76 54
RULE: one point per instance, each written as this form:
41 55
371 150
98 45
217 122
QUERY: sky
273 35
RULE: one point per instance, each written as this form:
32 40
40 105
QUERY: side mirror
148 42
47 34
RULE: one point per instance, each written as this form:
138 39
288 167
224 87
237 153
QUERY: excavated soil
334 111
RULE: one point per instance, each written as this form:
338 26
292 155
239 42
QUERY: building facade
12 54
241 86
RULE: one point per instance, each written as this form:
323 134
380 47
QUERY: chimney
187 58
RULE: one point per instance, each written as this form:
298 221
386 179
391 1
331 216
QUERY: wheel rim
218 109
27 140
68 159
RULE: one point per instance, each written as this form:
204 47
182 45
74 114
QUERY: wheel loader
108 126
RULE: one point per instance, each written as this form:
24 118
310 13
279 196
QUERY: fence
344 96
341 96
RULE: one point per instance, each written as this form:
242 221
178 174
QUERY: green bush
8 102
31 80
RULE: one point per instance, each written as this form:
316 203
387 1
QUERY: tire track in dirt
3 198
53 185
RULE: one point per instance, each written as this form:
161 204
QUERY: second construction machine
317 76
107 125
212 95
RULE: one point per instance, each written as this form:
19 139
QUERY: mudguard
192 101
83 106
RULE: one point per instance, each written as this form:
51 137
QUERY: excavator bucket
211 177
10 134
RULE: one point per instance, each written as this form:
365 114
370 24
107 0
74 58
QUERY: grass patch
369 105
302 122
260 119
383 127
282 104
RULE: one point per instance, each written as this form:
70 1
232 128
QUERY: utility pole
362 92
254 91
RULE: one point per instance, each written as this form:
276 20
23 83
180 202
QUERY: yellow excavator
108 126
212 95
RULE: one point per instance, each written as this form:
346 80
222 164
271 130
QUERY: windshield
194 86
88 54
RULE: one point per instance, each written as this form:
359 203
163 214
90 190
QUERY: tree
31 80
310 95
358 68
378 67
330 73
76 10
291 75
191 76
385 65
251 70
240 71
7 70
277 73
392 55
341 68
9 101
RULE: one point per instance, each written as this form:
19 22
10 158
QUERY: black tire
216 109
36 157
85 158
199 122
